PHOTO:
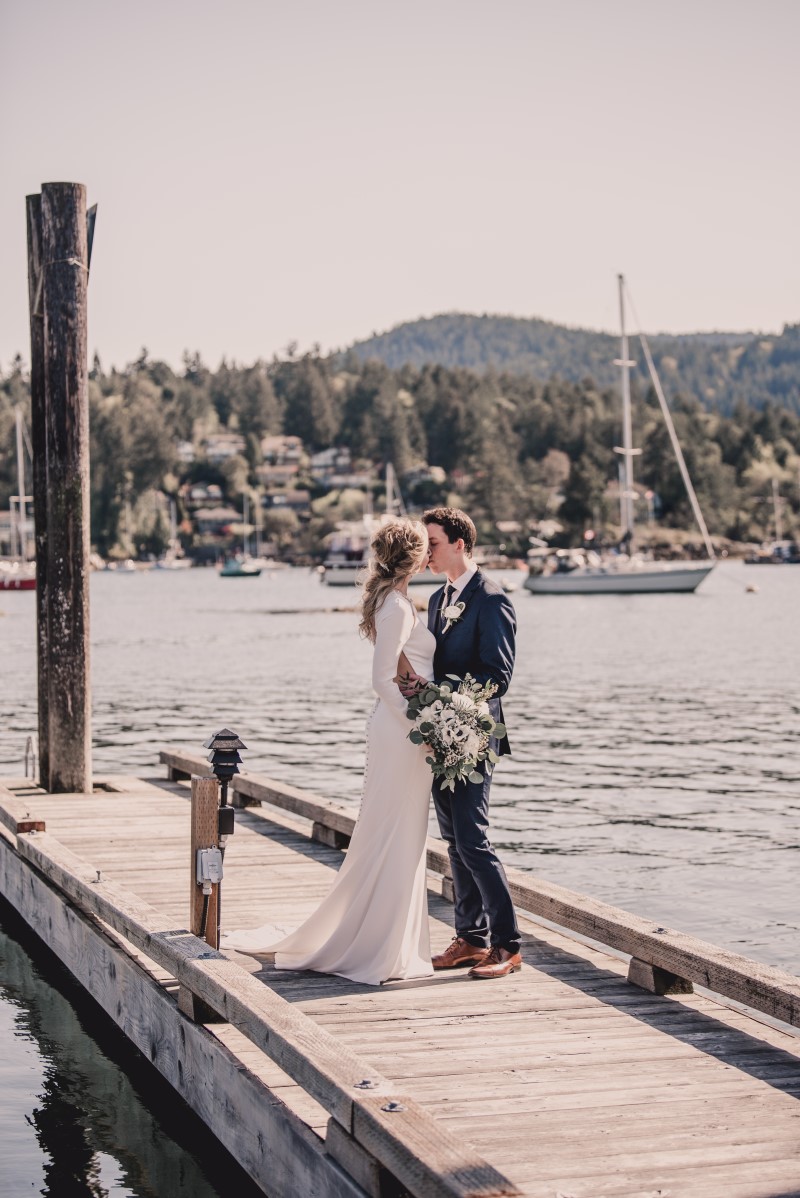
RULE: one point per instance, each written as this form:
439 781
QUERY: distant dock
595 1071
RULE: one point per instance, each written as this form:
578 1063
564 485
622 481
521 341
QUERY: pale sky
314 171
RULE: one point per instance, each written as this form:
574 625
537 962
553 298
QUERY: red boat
18 578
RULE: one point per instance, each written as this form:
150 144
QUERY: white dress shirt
459 583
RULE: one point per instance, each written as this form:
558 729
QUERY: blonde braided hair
399 549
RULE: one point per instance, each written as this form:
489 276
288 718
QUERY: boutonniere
453 613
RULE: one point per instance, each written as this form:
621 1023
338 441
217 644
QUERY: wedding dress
373 924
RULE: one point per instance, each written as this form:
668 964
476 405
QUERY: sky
313 172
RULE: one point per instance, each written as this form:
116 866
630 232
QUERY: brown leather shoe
459 952
498 963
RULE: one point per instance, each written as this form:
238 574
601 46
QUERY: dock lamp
225 760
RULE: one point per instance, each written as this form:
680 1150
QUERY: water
656 759
80 1112
656 741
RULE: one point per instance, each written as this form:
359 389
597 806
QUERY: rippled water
74 1122
656 738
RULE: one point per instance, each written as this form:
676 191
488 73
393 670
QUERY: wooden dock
562 1081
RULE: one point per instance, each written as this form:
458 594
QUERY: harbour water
656 762
656 739
82 1114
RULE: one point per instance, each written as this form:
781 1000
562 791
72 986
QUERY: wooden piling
33 207
65 277
204 835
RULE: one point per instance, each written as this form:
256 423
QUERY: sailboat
241 565
16 572
349 550
171 560
625 573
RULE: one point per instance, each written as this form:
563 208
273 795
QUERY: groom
480 642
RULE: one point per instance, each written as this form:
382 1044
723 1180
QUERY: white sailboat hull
346 575
649 578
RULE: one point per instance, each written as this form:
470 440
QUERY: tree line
515 450
718 369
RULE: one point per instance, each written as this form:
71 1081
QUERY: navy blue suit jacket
480 643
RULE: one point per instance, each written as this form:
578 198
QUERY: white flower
463 703
483 709
453 613
472 745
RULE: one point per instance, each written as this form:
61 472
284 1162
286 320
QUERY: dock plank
566 1078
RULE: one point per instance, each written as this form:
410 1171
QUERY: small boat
349 548
775 553
572 572
171 559
242 565
17 573
239 566
17 576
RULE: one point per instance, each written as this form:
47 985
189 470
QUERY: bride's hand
410 684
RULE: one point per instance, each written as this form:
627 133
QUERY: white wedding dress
373 925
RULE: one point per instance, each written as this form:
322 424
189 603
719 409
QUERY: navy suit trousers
483 906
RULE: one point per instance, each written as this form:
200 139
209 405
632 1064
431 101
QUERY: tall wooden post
204 835
33 206
66 268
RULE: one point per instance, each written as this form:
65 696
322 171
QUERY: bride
373 925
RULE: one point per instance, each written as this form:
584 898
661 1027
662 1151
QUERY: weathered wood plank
271 1143
408 1143
15 814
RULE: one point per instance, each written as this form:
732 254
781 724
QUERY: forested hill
718 369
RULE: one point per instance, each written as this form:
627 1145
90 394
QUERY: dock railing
661 959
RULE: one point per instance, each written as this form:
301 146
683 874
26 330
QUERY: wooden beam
204 835
427 1159
15 814
657 981
183 764
33 208
65 274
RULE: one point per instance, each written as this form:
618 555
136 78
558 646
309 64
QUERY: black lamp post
225 759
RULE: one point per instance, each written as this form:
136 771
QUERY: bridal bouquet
455 723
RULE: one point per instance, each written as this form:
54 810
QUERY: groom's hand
410 684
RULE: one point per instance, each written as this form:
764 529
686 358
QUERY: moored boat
17 573
17 576
572 572
239 566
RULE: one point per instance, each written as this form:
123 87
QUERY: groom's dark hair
456 524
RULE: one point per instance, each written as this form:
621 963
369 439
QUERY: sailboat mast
627 450
21 486
776 507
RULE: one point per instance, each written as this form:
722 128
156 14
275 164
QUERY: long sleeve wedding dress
373 924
